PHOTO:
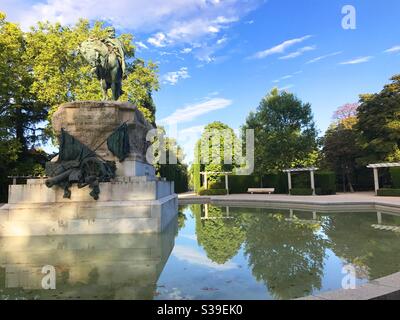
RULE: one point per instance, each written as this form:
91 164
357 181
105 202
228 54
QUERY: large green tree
379 123
216 151
284 131
341 144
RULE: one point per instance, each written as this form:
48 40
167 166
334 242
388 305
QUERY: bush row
211 192
325 182
389 192
301 191
395 176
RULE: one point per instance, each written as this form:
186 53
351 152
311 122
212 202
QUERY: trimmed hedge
389 192
301 191
325 183
395 175
212 192
240 184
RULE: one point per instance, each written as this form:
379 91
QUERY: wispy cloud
192 111
141 45
280 48
394 49
286 88
298 53
192 256
186 50
158 40
173 77
357 60
289 76
324 57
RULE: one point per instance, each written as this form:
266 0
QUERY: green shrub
325 182
389 192
301 191
217 184
301 180
240 184
277 181
395 175
212 192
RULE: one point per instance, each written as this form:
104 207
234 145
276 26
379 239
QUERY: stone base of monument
134 202
128 205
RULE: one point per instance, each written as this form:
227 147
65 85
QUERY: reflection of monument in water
87 267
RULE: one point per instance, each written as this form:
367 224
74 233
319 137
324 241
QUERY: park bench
261 190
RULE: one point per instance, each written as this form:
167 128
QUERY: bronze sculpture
107 58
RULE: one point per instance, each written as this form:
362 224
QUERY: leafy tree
379 123
284 131
217 140
341 144
170 166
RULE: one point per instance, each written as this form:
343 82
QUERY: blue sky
218 58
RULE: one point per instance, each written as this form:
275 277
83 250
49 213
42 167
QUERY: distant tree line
285 136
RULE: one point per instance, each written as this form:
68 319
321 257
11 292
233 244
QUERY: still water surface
210 252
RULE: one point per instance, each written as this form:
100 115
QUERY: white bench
261 190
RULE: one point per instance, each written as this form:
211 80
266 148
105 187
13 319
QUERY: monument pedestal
134 202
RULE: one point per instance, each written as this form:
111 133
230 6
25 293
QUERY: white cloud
192 111
289 76
181 19
394 49
186 50
324 57
280 48
298 53
173 77
222 41
357 60
141 45
158 40
192 256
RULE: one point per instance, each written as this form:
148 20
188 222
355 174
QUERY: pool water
210 252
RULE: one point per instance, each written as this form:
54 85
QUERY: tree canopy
284 130
379 123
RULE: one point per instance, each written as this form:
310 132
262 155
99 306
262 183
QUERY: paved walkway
361 200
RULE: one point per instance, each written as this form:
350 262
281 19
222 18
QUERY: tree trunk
349 183
19 129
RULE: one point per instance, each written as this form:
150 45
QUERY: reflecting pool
210 252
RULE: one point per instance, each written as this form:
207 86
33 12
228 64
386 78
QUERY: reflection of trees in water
221 238
181 218
287 256
375 253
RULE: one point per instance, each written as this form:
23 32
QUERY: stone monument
100 183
